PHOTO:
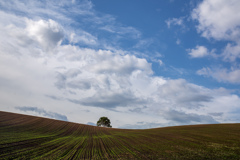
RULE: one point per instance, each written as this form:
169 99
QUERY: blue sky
143 64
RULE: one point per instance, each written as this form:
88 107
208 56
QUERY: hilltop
29 137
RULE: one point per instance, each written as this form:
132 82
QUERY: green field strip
127 147
27 142
30 153
28 137
20 153
22 147
55 153
102 149
73 148
11 137
107 147
79 149
58 145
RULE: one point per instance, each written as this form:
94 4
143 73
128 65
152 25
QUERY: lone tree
104 122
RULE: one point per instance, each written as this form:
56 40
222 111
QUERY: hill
29 137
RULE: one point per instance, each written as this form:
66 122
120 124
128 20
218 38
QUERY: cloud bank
47 60
218 20
42 112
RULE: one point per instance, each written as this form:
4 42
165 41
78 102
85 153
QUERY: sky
143 64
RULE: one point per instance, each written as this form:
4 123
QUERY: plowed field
29 137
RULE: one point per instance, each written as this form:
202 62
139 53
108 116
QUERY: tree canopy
104 122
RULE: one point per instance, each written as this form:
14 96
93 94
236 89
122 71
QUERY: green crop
29 137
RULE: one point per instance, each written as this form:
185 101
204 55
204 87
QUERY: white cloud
48 9
218 19
122 30
114 90
198 52
38 111
75 21
181 95
175 21
222 75
82 37
188 118
160 62
178 41
48 33
85 83
231 52
119 64
143 125
144 43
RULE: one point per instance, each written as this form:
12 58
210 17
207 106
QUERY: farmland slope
29 137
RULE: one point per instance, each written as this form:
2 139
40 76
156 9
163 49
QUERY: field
29 137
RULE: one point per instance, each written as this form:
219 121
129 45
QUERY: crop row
28 137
